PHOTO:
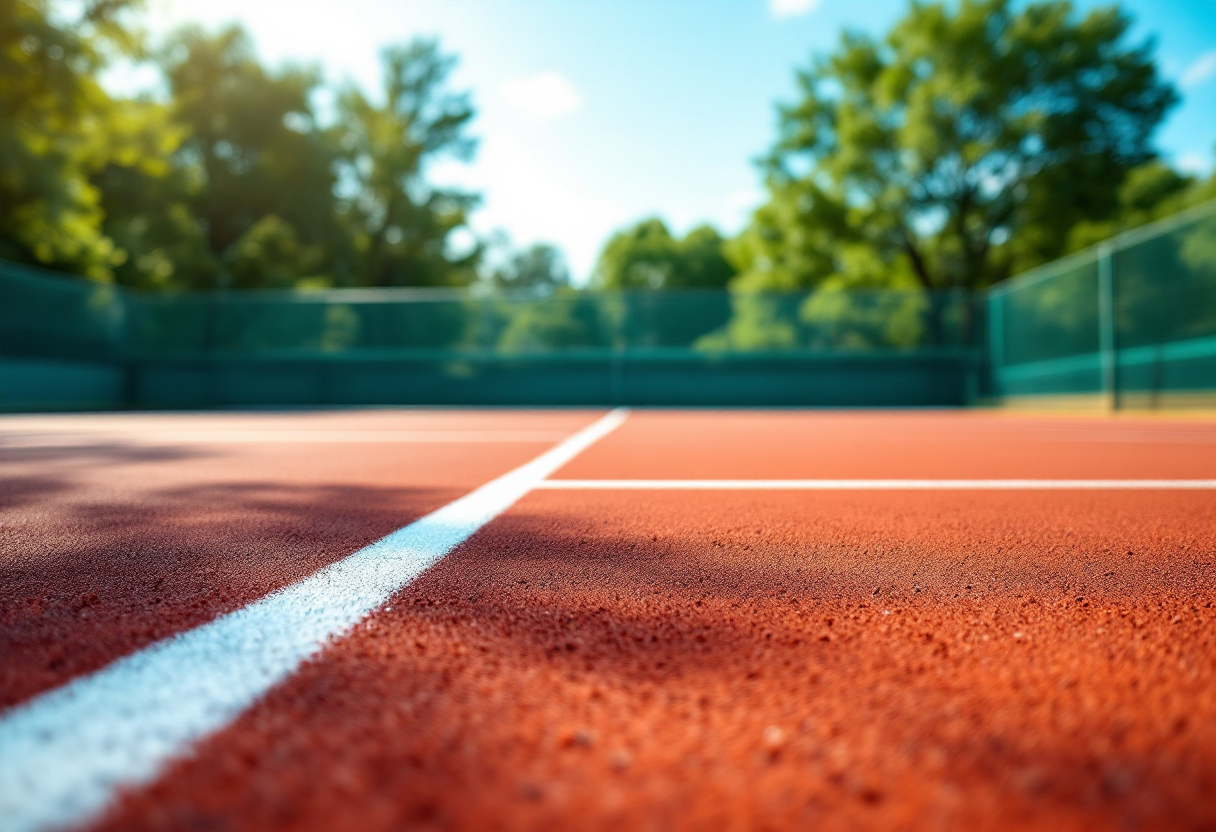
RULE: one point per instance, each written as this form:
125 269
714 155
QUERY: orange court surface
655 619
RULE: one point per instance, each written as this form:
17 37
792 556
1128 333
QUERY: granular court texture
122 530
692 659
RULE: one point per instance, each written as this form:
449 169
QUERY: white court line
272 436
874 485
65 753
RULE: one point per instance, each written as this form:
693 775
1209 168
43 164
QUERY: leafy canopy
400 223
59 129
228 179
962 147
539 269
647 256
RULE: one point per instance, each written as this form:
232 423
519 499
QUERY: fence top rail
455 295
1119 242
409 294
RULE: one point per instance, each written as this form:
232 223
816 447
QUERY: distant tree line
973 141
229 179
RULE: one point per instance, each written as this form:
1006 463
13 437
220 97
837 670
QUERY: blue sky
595 113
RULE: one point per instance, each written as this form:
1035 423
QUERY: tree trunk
375 250
937 333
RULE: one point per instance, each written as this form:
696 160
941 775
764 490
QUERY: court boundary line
880 485
66 753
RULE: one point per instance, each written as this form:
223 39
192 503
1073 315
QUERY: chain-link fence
48 315
1133 318
366 322
43 314
690 347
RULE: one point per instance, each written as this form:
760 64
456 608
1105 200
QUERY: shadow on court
625 661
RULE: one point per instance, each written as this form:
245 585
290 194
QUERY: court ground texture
669 620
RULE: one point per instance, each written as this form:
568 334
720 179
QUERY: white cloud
1200 70
531 191
1194 163
791 8
542 97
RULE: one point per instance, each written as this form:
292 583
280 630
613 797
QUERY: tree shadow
19 487
1008 688
567 675
560 670
116 577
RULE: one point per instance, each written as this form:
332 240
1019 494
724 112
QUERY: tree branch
918 262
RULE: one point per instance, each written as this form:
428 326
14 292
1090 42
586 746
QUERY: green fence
1132 319
363 323
47 315
99 346
61 342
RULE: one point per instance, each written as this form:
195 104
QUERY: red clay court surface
683 658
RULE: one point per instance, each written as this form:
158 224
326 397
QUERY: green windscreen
1135 315
1053 316
46 315
362 322
1165 286
128 349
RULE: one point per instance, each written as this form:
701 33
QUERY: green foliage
59 128
231 182
1201 192
701 261
647 256
550 319
975 140
543 326
1197 252
252 147
1149 192
270 255
538 269
758 322
400 224
1165 284
963 147
834 319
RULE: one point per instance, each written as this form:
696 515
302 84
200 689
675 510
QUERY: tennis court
650 619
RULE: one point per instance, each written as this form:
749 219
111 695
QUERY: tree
963 147
647 256
253 146
702 261
271 255
59 128
1201 192
401 224
539 269
230 183
1149 192
150 216
251 164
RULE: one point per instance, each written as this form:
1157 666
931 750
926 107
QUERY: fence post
996 343
620 339
127 354
1108 325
